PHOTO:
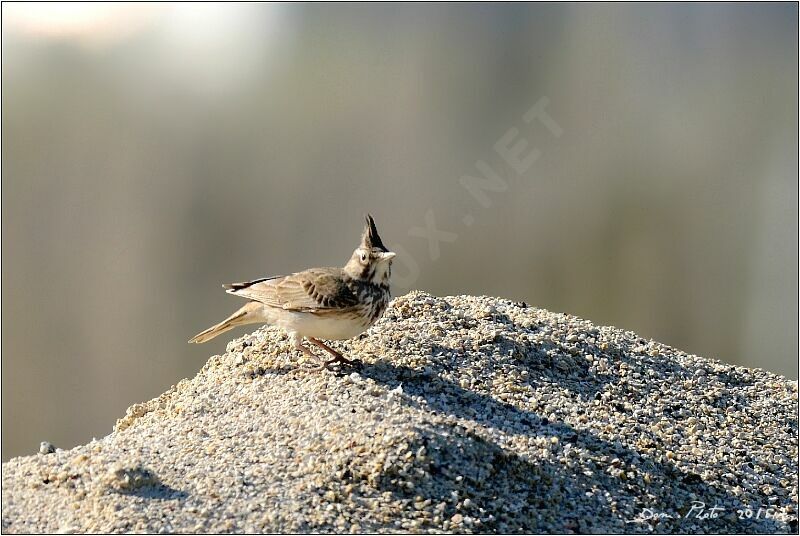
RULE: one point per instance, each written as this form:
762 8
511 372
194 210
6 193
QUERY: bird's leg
298 344
337 357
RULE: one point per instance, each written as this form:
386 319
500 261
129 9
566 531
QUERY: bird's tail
250 313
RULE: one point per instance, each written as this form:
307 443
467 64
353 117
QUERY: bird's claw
330 364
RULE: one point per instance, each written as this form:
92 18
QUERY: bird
318 303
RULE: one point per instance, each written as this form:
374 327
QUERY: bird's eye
363 257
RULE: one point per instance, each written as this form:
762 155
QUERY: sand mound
469 414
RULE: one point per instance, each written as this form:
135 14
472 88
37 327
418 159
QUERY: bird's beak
388 255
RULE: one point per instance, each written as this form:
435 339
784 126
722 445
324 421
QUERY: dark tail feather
244 284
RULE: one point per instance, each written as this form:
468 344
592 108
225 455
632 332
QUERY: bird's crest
371 239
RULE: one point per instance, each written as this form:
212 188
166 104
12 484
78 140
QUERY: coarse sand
467 415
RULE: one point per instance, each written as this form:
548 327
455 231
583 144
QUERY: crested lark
318 303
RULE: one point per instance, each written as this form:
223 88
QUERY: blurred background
151 152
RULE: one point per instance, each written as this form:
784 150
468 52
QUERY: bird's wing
312 290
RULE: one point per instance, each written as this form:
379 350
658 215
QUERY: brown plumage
310 290
319 303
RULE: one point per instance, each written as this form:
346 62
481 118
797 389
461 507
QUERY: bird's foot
343 361
338 359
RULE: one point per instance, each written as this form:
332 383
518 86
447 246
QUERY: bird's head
371 261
